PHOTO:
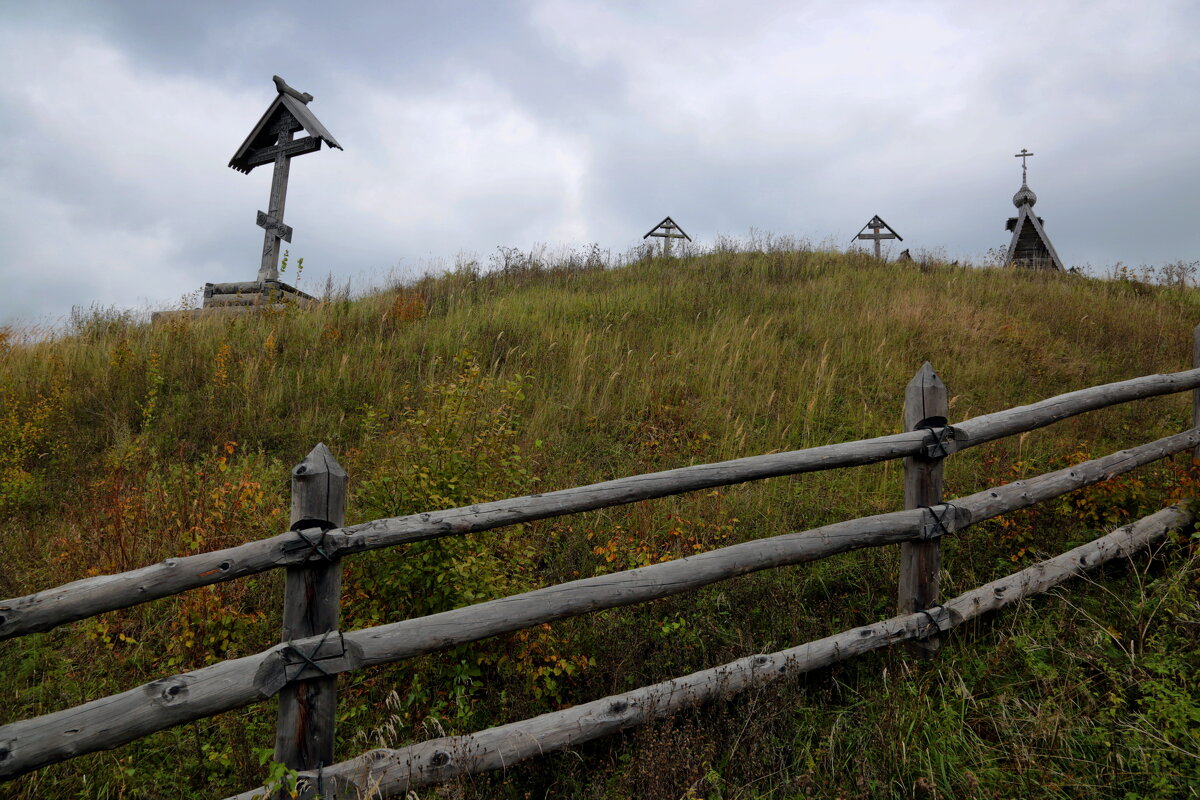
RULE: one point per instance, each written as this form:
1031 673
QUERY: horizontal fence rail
118 719
390 772
84 598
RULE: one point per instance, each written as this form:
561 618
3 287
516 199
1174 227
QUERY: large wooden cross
272 142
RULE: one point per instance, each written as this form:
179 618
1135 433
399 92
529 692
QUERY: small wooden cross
667 230
877 226
1024 154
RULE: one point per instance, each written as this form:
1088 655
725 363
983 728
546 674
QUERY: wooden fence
302 669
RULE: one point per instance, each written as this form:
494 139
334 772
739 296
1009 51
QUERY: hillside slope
122 444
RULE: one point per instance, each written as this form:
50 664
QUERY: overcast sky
472 125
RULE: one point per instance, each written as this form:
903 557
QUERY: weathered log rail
122 718
390 772
313 650
85 598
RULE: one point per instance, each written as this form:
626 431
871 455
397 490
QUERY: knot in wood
439 759
171 690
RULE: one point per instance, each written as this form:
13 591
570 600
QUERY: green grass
124 443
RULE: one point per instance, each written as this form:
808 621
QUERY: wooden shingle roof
264 134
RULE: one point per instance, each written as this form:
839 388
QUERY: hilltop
124 443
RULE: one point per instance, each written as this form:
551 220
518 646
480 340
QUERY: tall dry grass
122 443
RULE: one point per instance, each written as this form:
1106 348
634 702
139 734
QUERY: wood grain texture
926 404
235 287
304 733
390 772
112 721
238 300
84 598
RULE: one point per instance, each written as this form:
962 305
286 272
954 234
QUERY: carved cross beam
267 155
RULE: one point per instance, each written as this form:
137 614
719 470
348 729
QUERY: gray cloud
473 125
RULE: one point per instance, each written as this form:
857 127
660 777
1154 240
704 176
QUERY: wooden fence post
925 403
312 598
1196 401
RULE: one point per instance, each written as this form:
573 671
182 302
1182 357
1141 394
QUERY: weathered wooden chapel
1030 246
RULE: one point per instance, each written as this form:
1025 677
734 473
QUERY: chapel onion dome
1024 196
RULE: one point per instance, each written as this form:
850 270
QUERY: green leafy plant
455 445
282 781
30 447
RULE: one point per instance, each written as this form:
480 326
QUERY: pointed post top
319 461
926 376
925 399
319 487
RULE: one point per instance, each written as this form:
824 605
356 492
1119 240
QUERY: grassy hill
123 443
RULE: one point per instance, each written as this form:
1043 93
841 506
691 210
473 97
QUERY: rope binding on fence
945 438
327 656
942 524
300 526
940 622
